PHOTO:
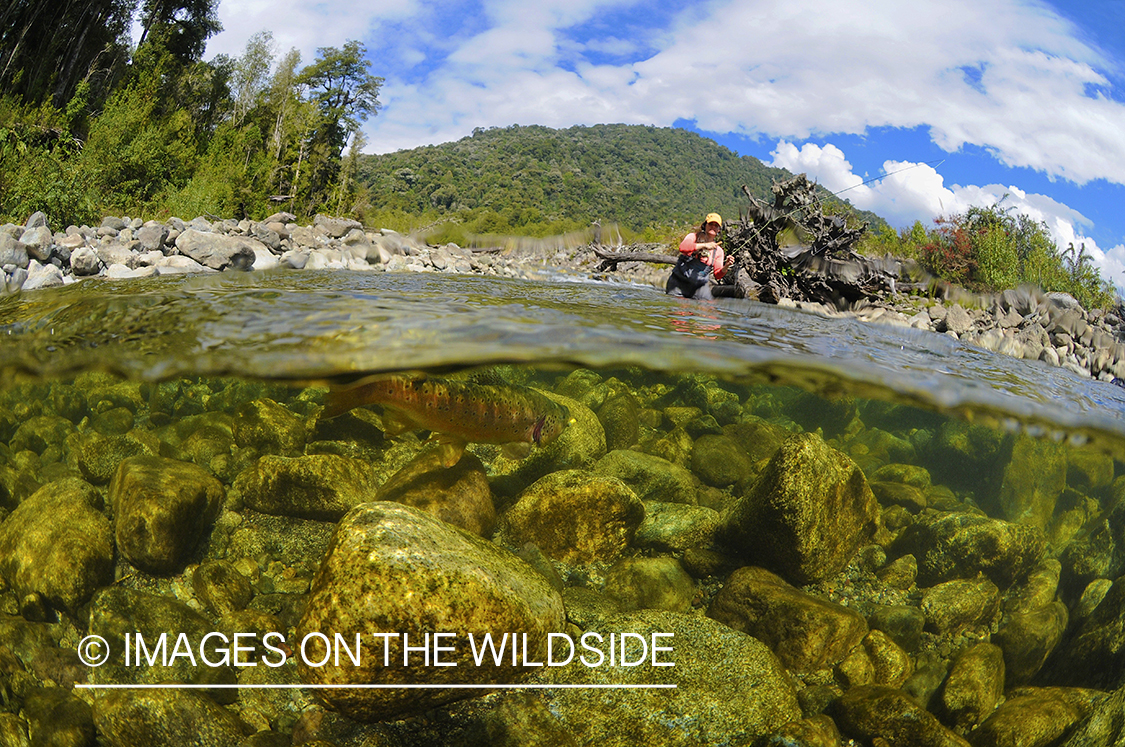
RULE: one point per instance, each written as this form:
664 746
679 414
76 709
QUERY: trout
458 412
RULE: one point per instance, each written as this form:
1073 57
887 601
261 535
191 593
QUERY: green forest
93 124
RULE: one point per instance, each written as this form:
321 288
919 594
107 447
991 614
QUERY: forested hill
530 177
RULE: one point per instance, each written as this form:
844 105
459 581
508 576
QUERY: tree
343 90
251 74
187 25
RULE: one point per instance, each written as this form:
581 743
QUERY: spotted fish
458 411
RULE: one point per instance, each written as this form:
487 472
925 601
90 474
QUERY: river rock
152 236
675 527
619 418
154 718
221 588
41 432
955 545
1094 656
459 495
337 228
57 543
650 477
974 686
315 486
575 517
1028 638
720 461
1034 479
891 665
874 712
806 632
163 508
217 251
1105 725
39 242
1036 716
961 603
13 251
84 262
902 623
270 428
809 512
394 569
650 583
57 717
96 456
730 688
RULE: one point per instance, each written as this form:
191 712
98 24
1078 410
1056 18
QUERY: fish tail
342 399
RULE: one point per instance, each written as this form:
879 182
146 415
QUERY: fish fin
396 422
449 448
339 401
516 449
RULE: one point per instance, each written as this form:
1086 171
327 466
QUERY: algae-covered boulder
270 428
459 495
96 457
220 586
1034 478
316 486
650 583
1104 726
974 687
392 569
806 632
960 603
57 717
873 712
580 445
810 510
650 477
619 418
59 544
162 508
1028 638
1034 716
575 517
729 688
1094 655
720 460
159 718
949 546
676 527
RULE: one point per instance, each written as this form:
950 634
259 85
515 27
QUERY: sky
957 103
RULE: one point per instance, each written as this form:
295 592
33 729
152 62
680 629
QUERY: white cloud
917 191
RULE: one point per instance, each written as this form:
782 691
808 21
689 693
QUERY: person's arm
718 266
687 246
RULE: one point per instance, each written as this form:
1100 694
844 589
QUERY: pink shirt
714 257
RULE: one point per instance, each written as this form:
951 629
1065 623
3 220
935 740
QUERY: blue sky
965 100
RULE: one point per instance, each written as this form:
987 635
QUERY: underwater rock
875 712
899 494
581 444
575 517
1028 638
395 569
1036 716
650 583
730 688
974 686
317 486
220 587
1034 478
809 512
902 623
900 573
165 717
1094 656
891 664
59 544
650 477
720 461
814 731
459 495
270 428
40 432
1088 471
832 414
960 603
1105 725
1037 591
162 508
58 718
619 418
806 632
949 546
967 456
675 527
96 456
906 474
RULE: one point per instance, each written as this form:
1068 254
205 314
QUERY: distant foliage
538 181
995 248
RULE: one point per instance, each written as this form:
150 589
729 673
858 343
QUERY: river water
288 331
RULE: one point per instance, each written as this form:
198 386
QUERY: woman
700 258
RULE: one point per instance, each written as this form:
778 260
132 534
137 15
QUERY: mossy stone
876 712
459 495
651 477
316 486
650 583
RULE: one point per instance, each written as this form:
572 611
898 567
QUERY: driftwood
609 259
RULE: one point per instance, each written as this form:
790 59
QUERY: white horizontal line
370 687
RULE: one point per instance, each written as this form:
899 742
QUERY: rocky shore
1023 323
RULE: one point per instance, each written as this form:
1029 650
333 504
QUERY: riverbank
1024 323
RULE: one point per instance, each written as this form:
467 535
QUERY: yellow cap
714 218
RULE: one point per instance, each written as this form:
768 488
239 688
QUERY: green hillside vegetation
538 181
